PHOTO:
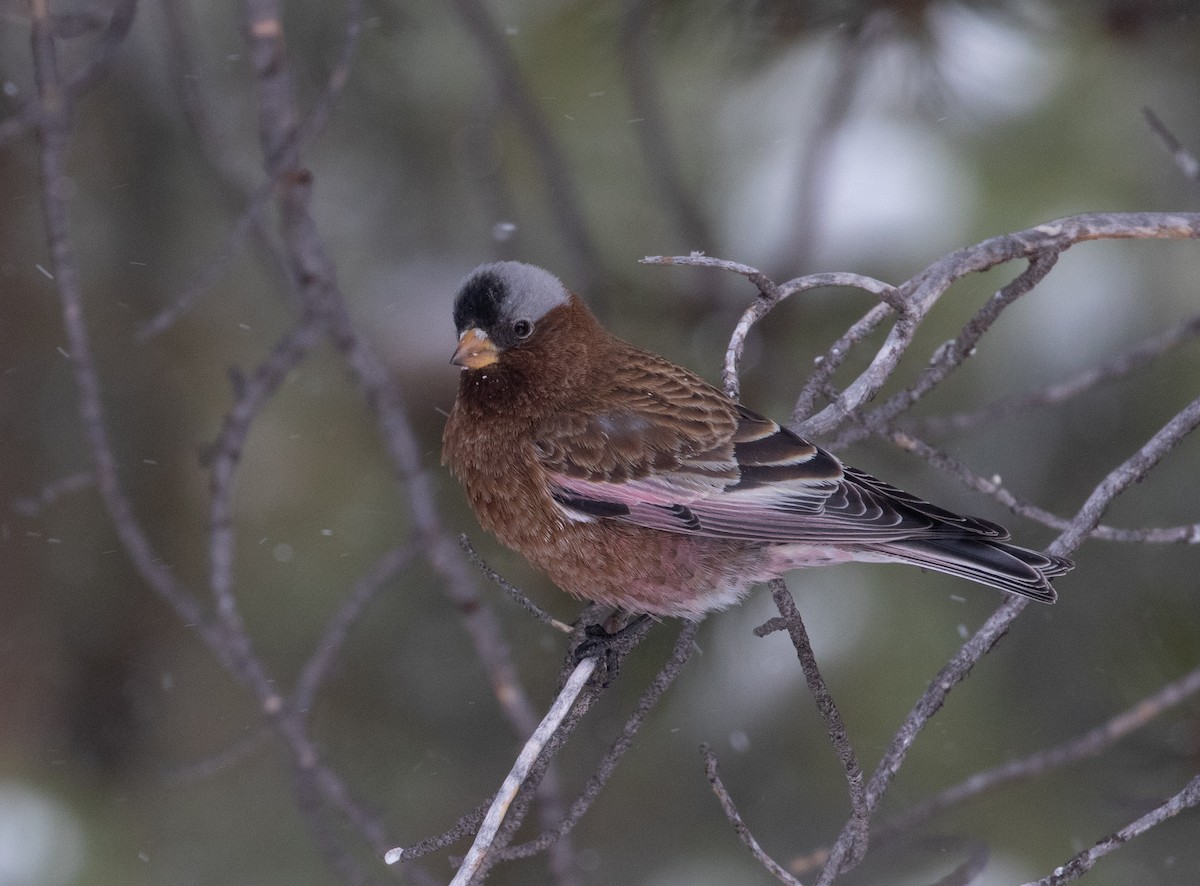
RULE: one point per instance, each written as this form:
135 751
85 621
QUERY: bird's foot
608 642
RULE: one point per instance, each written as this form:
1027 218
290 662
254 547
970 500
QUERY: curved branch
921 292
739 825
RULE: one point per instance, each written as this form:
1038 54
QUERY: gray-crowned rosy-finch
631 481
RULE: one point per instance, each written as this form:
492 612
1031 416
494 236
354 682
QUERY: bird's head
500 308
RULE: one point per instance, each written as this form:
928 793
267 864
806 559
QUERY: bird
632 482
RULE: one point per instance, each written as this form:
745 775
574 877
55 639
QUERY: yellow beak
475 350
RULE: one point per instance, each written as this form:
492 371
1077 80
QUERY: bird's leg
608 641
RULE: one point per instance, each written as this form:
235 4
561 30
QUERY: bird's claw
608 647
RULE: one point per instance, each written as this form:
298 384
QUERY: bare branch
1121 478
684 646
1090 744
934 697
282 148
739 825
519 596
652 131
236 188
1119 366
508 791
466 826
308 275
334 635
829 362
951 355
852 846
700 260
202 770
1186 534
33 505
112 36
226 454
922 291
53 134
1184 159
1086 860
772 296
230 649
560 183
309 803
997 625
315 272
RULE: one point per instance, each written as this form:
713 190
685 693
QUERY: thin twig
1090 744
617 648
700 260
772 295
561 190
53 133
229 649
1086 860
111 38
33 505
739 825
1131 471
469 824
225 455
931 701
684 646
953 353
1119 366
817 385
282 152
508 790
315 273
202 770
963 661
351 609
1188 533
519 596
921 292
236 189
1184 159
852 846
466 826
652 132
308 801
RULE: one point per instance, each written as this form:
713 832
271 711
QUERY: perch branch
508 790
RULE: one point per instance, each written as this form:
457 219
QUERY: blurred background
794 137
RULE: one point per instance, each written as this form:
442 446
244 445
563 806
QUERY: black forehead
479 301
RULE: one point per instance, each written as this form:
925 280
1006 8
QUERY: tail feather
1004 566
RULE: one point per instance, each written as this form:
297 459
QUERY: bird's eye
522 328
